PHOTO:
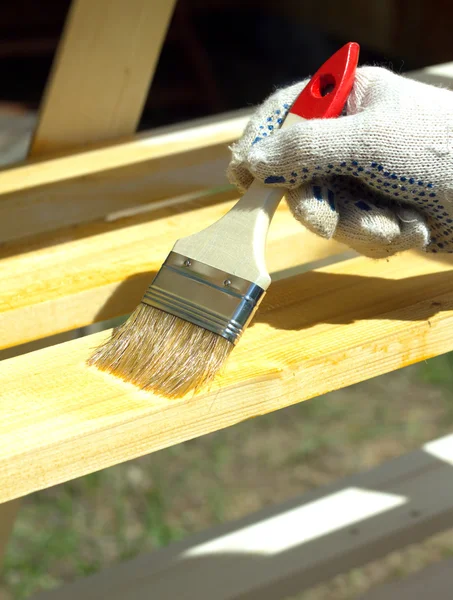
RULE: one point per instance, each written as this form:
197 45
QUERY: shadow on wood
286 304
132 288
142 215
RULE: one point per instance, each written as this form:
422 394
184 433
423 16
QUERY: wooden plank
102 72
96 91
45 195
114 177
286 549
101 271
316 332
436 581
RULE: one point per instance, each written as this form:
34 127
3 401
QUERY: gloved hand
379 179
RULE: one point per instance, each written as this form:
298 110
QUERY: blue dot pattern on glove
273 122
318 194
382 183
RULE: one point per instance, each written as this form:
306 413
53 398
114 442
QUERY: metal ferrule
205 296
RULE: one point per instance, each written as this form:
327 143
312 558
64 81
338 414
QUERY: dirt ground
84 525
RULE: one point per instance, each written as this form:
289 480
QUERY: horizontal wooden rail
316 332
99 271
44 195
288 548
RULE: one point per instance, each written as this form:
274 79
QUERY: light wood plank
101 271
102 71
96 91
45 195
291 547
317 332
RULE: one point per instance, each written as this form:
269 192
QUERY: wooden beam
100 271
102 71
96 91
287 549
316 332
44 195
155 145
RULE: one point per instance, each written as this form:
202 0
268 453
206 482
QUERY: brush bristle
162 353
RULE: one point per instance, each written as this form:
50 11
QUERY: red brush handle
327 92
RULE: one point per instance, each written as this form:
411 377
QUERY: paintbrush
211 284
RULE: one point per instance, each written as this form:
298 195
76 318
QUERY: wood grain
44 195
317 332
100 271
102 71
96 91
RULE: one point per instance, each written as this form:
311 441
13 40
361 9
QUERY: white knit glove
379 179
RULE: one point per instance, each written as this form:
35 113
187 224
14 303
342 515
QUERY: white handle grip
236 243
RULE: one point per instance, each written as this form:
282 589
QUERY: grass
438 371
77 528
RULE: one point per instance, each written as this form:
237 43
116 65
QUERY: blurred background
220 56
226 54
